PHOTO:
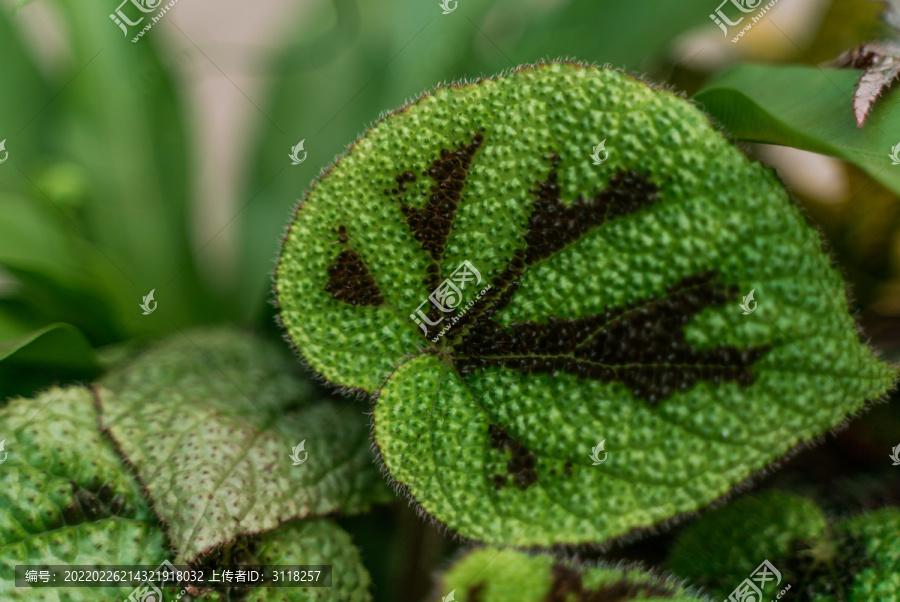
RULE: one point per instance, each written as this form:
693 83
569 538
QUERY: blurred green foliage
95 195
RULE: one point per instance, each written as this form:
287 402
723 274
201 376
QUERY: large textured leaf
227 410
854 560
66 497
808 108
492 575
610 309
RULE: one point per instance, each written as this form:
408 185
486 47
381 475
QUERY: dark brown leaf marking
349 280
567 586
431 224
641 345
521 464
553 225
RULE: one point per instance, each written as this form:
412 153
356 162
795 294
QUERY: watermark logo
745 304
5 155
136 12
895 154
740 9
895 454
595 453
445 5
751 588
451 597
296 451
145 305
4 453
600 148
295 153
448 297
149 591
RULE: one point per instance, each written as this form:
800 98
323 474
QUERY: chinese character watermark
140 9
745 7
751 588
445 5
447 299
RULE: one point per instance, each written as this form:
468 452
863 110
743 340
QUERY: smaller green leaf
758 527
875 569
807 108
60 349
56 345
307 542
209 420
856 560
492 575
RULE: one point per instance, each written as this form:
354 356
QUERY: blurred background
163 164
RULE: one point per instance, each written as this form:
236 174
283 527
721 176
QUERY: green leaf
57 349
67 498
122 124
855 560
606 306
308 542
808 108
876 571
226 409
17 111
721 549
492 575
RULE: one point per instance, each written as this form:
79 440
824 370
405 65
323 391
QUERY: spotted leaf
514 302
209 419
67 498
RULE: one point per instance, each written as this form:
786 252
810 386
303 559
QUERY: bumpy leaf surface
870 561
855 560
209 421
67 498
492 575
515 302
723 548
305 542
